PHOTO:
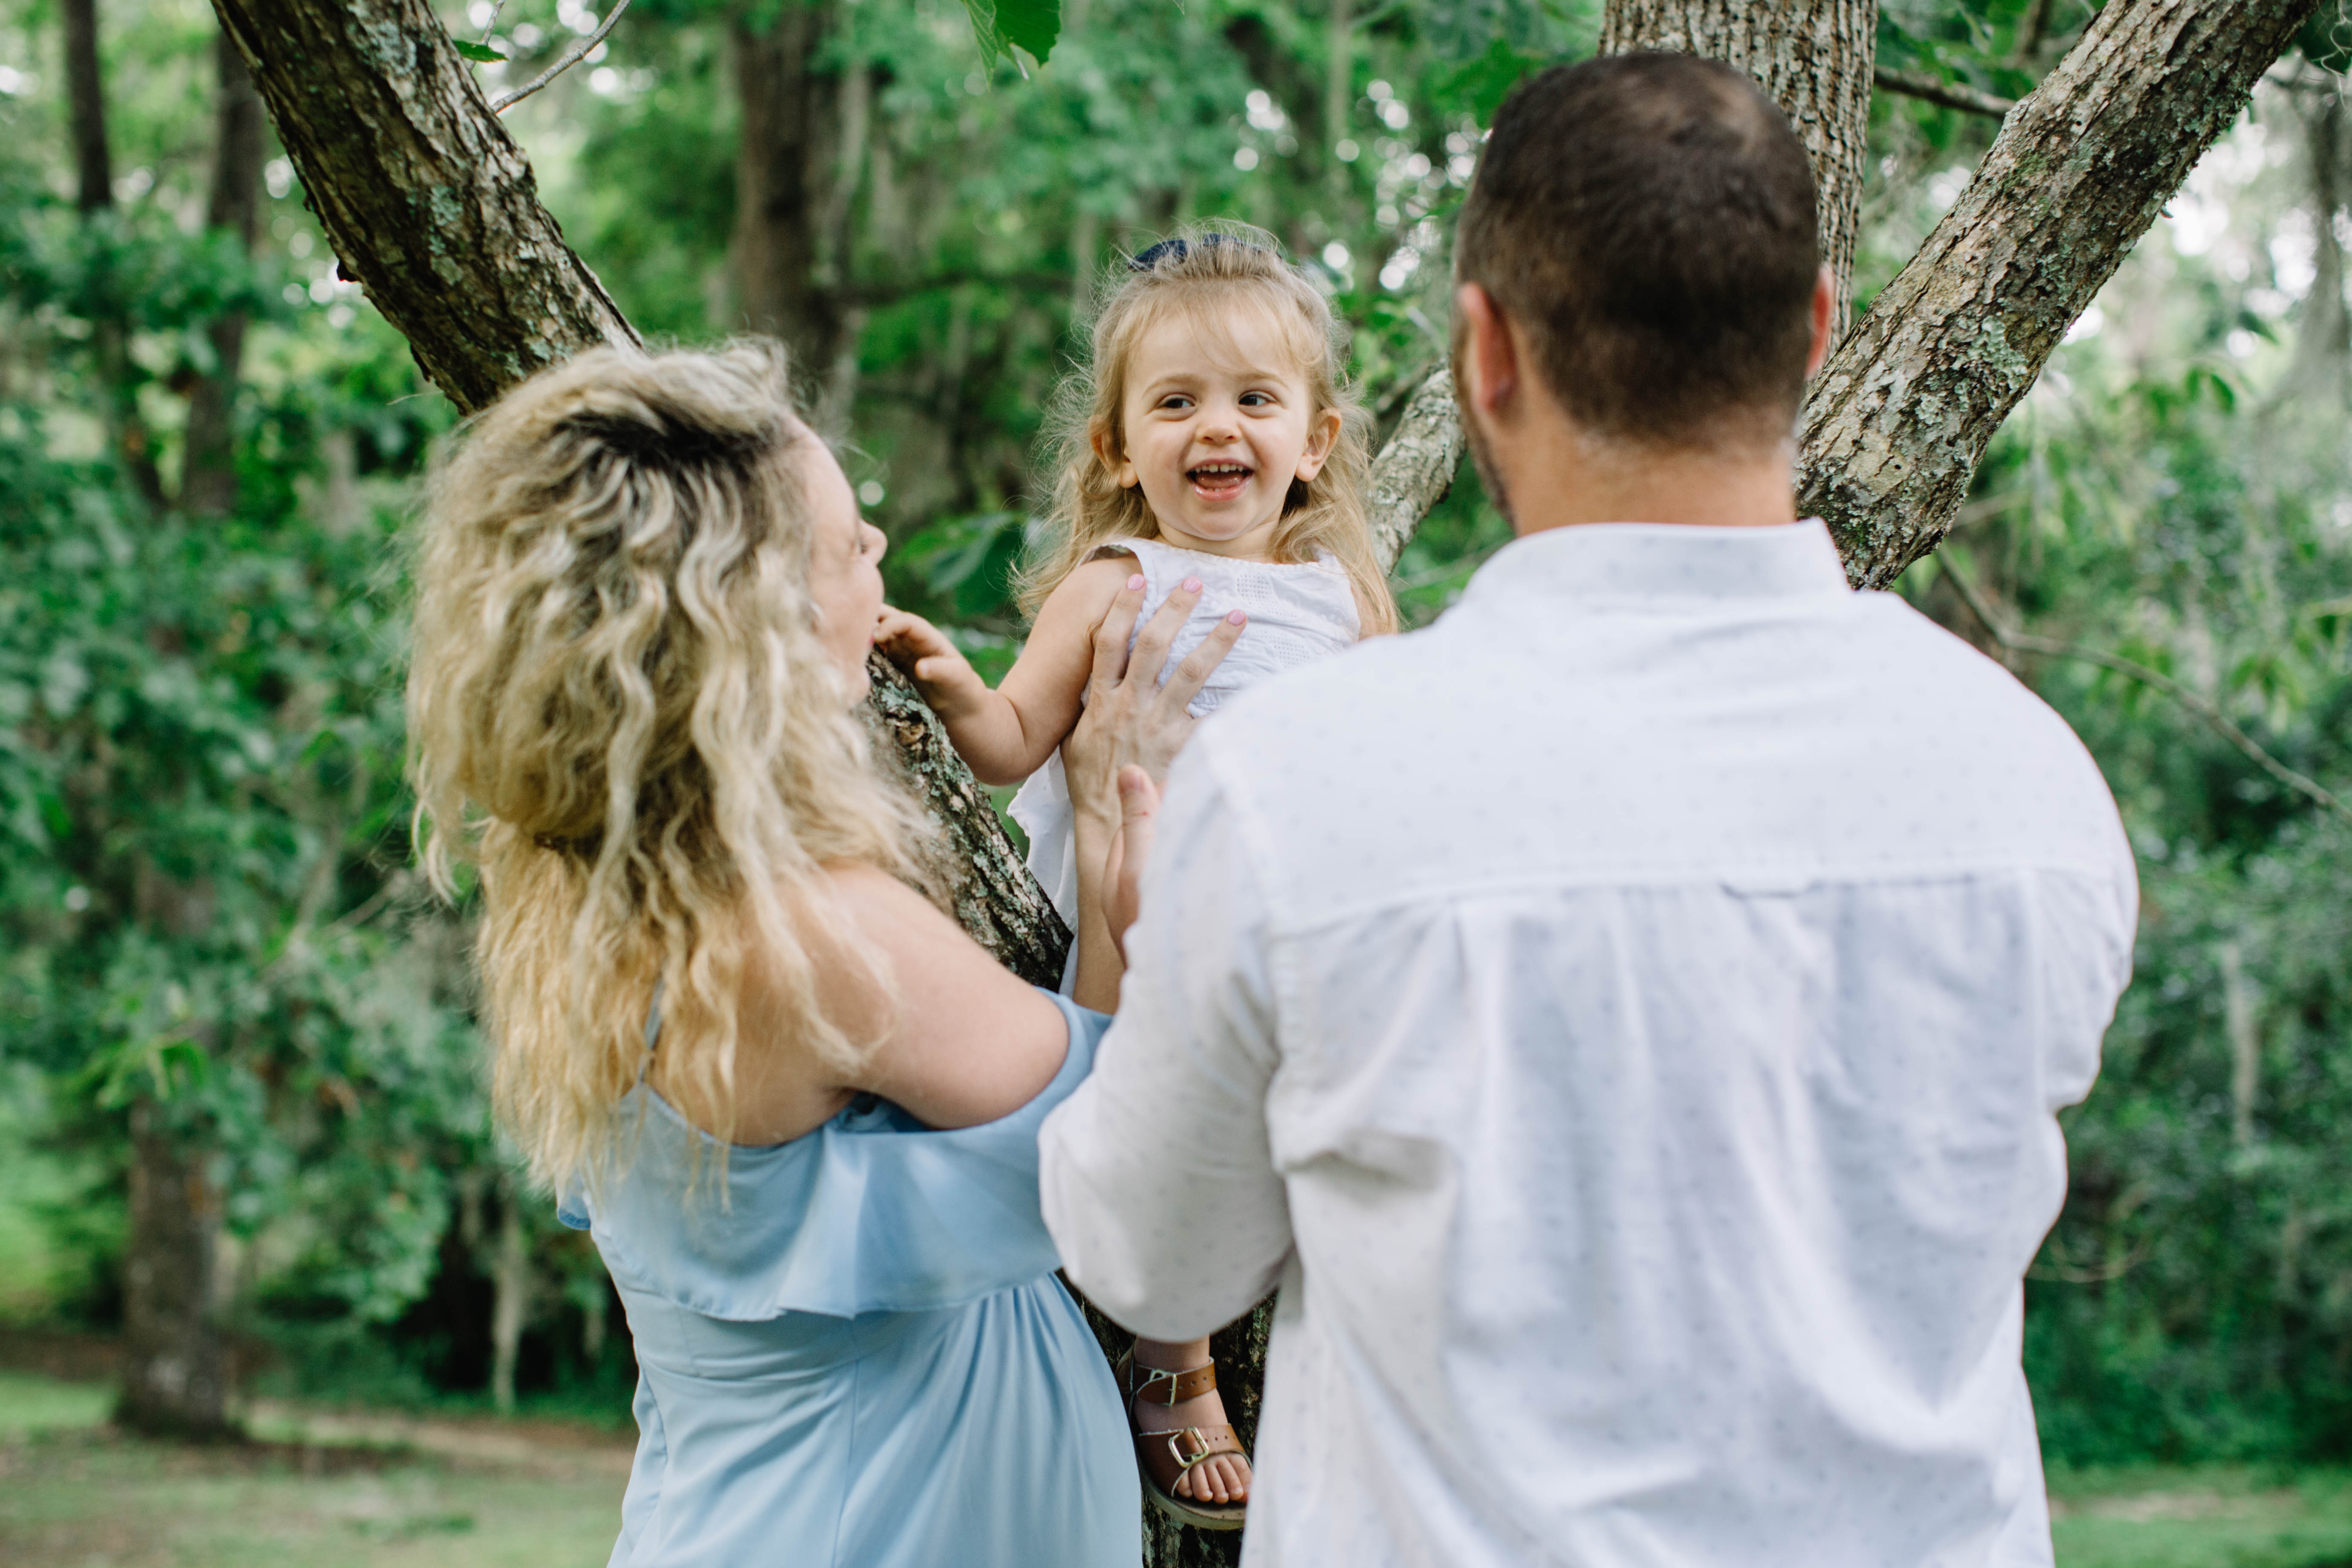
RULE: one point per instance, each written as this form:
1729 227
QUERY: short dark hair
1648 221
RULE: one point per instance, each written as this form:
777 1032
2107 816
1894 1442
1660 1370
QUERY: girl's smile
1216 431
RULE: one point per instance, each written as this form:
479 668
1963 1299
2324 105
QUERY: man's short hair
1648 221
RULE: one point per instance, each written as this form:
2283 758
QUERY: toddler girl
1212 443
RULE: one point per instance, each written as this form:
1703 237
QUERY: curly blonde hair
620 711
1207 272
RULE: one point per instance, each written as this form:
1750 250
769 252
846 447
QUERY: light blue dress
858 1355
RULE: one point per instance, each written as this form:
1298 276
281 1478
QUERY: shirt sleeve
2090 930
1157 1179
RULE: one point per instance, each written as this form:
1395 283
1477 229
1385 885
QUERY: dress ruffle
871 1213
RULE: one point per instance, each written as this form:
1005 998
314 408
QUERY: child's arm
1006 734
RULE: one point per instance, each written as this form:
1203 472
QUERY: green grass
75 1492
388 1490
29 1182
36 1404
2207 1516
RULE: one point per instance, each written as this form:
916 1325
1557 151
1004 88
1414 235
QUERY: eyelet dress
1297 614
853 1352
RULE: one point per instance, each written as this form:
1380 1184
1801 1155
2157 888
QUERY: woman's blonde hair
620 711
1204 273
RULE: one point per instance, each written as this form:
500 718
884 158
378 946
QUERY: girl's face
845 576
1218 425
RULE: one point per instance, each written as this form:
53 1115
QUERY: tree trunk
2244 1026
94 188
208 466
86 92
2322 344
174 1371
511 1297
787 164
1814 57
1901 414
420 190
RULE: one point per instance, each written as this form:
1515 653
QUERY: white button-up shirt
1627 1018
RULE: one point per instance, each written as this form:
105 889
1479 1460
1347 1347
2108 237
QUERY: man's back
1663 972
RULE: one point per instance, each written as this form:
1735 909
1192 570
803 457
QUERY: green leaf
1033 25
482 52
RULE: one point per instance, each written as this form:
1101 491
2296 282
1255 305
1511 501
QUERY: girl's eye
1175 400
1256 399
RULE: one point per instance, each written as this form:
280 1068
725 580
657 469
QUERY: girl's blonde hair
1204 273
620 711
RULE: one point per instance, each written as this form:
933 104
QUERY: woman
796 1105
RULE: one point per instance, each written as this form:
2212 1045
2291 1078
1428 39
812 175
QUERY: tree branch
1956 95
423 196
1415 469
2024 642
572 56
1900 415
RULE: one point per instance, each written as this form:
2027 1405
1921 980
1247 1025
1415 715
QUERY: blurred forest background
210 935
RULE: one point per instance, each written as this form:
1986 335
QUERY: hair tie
1177 251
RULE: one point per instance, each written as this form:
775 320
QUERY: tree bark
174 1369
1901 414
1415 468
1814 57
987 883
208 465
421 191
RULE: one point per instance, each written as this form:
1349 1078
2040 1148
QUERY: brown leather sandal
1164 1457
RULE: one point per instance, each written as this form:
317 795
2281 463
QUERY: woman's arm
957 1038
1006 734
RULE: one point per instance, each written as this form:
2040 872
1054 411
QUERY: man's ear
1322 435
1824 309
1486 360
1108 454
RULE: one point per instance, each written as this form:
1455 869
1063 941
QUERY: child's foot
1193 1427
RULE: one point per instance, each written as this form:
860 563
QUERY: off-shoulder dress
853 1352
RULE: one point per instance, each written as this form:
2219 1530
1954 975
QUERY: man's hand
1139 807
936 665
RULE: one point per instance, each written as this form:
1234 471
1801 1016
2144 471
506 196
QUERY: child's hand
936 665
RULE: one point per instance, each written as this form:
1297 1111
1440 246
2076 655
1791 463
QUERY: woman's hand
1129 718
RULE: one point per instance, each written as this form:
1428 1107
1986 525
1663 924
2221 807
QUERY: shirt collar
1665 561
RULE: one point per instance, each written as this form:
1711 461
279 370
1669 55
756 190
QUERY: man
1627 1018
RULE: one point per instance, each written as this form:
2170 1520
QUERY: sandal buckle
1200 1445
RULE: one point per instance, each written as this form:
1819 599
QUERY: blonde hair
1201 271
620 711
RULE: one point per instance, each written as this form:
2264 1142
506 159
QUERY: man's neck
1567 477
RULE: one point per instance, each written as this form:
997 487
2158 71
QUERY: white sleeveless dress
1297 614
